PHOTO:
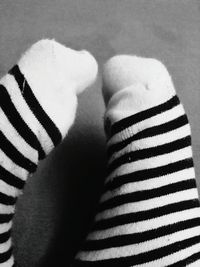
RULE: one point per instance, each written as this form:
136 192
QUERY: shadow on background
77 195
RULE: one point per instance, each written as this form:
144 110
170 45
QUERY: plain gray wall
54 213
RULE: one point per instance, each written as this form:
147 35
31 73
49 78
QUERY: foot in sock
38 100
149 212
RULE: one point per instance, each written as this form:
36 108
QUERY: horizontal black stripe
141 258
148 174
187 261
11 179
10 150
5 218
5 255
35 106
146 194
149 132
133 119
136 238
7 200
18 123
145 215
5 236
150 152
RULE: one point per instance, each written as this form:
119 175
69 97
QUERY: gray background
59 200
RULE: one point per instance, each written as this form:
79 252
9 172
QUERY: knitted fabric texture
30 124
149 213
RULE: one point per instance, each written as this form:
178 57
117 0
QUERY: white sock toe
140 82
57 74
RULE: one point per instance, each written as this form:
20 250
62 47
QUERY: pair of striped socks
149 213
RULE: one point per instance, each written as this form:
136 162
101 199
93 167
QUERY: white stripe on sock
153 141
8 263
13 168
136 249
146 225
152 162
16 140
6 209
5 246
148 204
148 184
159 119
26 113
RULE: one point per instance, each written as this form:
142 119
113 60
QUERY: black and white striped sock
149 212
37 107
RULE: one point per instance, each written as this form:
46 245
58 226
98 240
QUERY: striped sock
38 104
149 212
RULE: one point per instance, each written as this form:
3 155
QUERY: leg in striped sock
38 99
149 212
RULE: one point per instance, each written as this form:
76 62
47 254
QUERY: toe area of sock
123 71
56 74
87 71
75 69
133 84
